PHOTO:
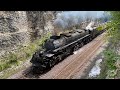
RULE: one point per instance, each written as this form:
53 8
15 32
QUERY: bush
111 57
22 54
4 66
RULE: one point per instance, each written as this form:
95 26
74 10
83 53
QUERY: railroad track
78 63
68 68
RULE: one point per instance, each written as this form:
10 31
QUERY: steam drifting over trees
69 19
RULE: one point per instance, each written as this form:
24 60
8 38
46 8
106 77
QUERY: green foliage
102 27
111 74
113 34
8 61
114 26
111 57
22 54
4 66
12 57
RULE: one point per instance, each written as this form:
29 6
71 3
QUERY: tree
114 27
111 54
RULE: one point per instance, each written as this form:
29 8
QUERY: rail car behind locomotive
56 48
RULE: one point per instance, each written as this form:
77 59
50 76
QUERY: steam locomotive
57 48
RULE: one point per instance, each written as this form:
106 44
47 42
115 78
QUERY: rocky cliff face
40 22
21 27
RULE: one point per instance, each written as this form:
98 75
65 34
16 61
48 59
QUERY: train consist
56 48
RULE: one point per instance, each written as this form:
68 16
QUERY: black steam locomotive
56 48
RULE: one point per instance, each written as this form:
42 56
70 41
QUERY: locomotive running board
70 43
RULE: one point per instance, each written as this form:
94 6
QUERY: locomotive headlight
41 52
49 55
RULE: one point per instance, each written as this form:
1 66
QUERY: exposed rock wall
39 23
21 27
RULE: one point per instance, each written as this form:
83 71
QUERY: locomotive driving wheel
55 60
81 44
68 51
36 70
76 47
59 57
90 38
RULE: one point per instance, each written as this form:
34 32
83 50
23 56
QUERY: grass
110 57
22 54
108 67
13 70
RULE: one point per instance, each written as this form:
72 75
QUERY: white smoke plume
89 27
71 18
